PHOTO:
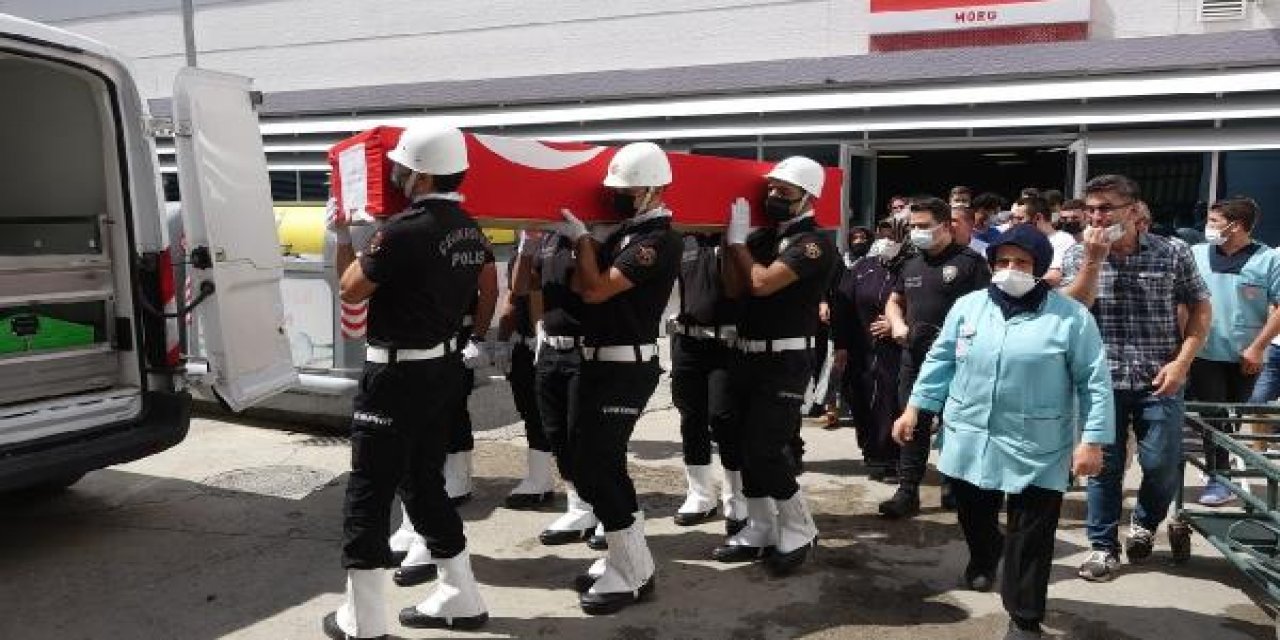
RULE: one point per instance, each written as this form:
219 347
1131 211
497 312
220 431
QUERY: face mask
1215 236
404 180
624 204
859 249
1013 282
778 209
1072 227
1115 232
889 250
922 238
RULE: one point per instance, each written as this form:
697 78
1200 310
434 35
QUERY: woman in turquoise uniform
1017 366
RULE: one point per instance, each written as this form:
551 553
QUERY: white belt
774 345
382 355
563 343
726 332
621 353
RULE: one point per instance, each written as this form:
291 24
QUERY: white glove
473 355
739 222
601 232
335 220
572 228
500 353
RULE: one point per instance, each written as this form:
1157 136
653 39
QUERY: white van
91 372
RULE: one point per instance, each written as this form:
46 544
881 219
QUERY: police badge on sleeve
949 273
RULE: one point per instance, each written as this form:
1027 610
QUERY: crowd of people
1025 344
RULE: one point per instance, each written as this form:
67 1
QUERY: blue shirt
1242 299
1012 391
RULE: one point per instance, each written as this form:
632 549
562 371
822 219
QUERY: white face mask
923 238
1215 236
885 249
1115 232
1013 282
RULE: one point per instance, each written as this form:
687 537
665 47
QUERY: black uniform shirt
792 311
702 299
931 284
648 254
426 263
561 308
468 327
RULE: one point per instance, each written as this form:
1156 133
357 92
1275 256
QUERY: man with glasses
931 281
1133 282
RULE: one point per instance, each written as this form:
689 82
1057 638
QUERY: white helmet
802 172
639 164
439 151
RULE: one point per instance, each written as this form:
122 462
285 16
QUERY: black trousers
871 391
611 397
700 392
1027 544
460 437
768 390
1214 381
913 460
556 377
525 395
398 440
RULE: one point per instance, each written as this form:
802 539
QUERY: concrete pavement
235 534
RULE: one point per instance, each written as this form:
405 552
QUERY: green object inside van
23 332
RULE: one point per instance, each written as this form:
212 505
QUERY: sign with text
902 25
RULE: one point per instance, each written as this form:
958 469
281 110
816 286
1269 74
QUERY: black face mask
778 209
1072 227
859 249
624 204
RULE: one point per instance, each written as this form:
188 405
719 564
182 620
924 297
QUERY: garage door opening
1001 171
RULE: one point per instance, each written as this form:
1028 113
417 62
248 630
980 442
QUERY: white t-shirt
1061 241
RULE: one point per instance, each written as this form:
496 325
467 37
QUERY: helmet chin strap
410 183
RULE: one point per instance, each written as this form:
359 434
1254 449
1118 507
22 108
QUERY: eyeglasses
1104 209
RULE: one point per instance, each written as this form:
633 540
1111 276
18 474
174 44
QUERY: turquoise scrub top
1011 392
1241 301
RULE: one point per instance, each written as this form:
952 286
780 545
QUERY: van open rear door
231 236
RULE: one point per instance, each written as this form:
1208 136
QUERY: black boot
691 519
414 575
331 629
553 538
905 503
529 501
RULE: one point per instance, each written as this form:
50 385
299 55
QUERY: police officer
557 369
702 337
418 272
625 283
931 281
471 342
517 341
781 272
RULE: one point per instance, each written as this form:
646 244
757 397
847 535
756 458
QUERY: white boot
574 525
797 534
417 567
700 503
628 572
735 504
582 583
538 484
402 537
454 602
457 476
756 540
364 613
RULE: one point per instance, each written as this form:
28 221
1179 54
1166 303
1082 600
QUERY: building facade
905 95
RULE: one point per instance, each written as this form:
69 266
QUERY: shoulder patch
646 255
949 273
812 251
375 243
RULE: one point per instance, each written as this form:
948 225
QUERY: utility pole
189 30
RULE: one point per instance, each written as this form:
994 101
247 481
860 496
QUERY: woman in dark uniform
871 356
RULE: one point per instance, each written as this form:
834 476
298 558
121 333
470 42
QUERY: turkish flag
514 181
